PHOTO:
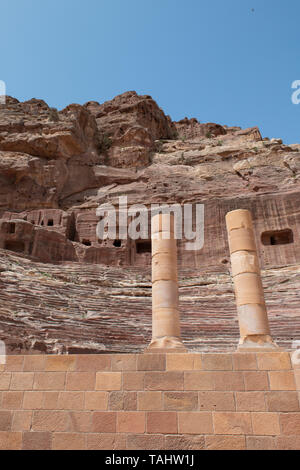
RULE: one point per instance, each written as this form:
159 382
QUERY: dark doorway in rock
50 223
86 242
277 237
13 245
72 228
117 243
12 227
143 246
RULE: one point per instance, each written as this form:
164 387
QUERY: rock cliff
64 290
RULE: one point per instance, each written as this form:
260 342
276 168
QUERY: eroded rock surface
62 289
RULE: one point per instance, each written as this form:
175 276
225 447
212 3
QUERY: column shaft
251 308
165 302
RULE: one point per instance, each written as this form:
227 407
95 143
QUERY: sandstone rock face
63 289
129 124
192 129
114 118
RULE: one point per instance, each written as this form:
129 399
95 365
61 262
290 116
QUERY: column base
166 344
257 343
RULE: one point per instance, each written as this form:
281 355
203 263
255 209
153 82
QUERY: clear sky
227 61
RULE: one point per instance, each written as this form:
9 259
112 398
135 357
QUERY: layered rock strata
57 167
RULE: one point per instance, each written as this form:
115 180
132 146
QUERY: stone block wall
150 401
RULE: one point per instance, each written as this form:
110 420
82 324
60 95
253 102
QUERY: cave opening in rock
86 242
117 243
50 223
13 245
277 237
72 228
12 227
143 246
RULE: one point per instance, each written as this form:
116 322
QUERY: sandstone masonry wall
150 401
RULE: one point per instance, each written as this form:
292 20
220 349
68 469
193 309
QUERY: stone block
274 361
70 401
80 381
161 422
230 381
256 380
133 381
151 362
96 400
68 441
60 363
33 400
50 421
12 400
216 361
282 401
120 401
5 420
145 442
108 381
21 420
93 362
120 362
5 378
164 380
21 381
265 424
180 361
34 363
10 440
216 401
232 423
199 380
261 443
282 380
250 401
195 422
149 401
290 423
219 442
185 442
105 441
14 363
50 400
131 422
37 440
180 401
104 421
244 361
49 381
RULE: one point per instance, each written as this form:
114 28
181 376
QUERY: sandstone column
165 312
251 308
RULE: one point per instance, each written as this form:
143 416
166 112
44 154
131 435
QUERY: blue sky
218 61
